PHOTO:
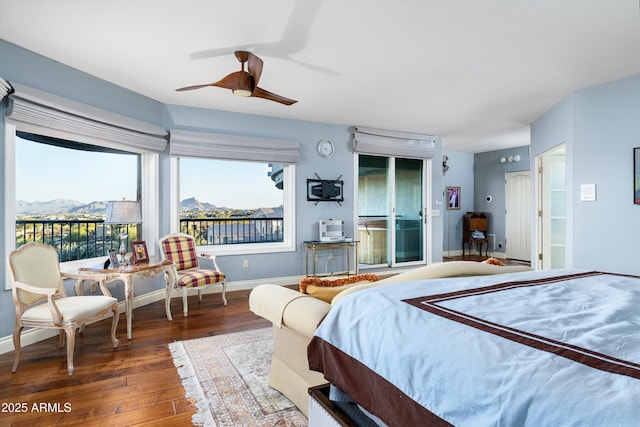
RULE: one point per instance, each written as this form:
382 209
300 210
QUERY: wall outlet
245 263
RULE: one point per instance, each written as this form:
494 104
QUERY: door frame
543 208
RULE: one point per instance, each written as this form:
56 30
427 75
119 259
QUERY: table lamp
123 212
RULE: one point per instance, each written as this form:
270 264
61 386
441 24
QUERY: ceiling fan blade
237 80
254 63
255 67
261 93
193 87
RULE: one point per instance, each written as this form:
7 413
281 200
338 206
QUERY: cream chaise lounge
295 317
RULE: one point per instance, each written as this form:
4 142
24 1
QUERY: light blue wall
600 126
478 176
460 174
489 180
25 67
554 128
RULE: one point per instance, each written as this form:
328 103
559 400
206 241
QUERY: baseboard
452 253
31 336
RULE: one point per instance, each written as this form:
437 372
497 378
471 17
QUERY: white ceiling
474 72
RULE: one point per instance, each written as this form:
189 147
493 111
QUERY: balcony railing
73 238
232 231
80 239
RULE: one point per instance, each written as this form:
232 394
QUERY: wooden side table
127 274
475 222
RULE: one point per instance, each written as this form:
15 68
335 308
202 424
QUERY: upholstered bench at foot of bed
295 317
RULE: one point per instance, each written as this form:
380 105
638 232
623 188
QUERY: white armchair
41 301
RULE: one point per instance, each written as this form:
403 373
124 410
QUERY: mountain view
76 229
65 207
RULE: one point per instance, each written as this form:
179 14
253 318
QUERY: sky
243 185
45 172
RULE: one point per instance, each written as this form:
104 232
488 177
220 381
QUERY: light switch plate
588 193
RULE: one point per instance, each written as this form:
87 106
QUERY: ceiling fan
243 83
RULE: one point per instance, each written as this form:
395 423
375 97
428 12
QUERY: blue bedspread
540 348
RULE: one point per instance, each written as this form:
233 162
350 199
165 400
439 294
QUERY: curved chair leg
70 331
167 301
224 292
185 304
60 338
16 345
114 325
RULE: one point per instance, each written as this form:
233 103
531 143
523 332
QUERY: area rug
226 377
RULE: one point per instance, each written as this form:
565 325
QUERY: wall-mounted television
325 190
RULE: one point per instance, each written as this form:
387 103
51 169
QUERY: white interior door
551 208
518 215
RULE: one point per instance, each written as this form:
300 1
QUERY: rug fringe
191 386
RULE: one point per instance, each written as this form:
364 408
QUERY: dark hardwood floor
134 385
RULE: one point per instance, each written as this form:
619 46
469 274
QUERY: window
61 190
144 181
74 125
234 206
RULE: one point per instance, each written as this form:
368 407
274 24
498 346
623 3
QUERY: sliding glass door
408 210
391 205
373 210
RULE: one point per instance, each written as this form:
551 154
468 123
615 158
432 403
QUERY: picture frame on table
113 258
139 252
453 198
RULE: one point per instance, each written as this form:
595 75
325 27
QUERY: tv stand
316 245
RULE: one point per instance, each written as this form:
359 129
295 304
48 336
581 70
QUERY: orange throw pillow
325 289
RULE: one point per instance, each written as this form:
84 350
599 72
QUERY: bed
537 348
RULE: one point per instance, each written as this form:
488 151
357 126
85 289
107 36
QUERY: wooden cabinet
475 231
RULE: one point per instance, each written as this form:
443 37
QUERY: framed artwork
453 198
113 258
139 252
636 175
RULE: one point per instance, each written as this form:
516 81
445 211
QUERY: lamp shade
123 212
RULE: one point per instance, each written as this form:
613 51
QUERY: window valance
184 143
5 88
393 144
46 114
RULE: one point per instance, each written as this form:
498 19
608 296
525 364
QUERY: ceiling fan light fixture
242 92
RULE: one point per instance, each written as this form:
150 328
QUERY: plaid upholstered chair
181 249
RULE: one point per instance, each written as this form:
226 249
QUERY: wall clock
325 148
